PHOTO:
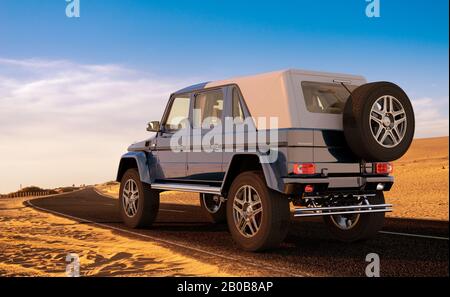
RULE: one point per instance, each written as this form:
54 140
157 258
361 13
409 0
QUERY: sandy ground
421 181
420 190
33 243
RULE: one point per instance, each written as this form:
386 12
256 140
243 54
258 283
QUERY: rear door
324 100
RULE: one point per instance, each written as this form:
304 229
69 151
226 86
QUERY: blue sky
220 38
120 52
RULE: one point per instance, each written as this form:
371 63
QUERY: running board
341 210
186 188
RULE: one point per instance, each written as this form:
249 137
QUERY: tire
366 226
145 210
215 211
273 219
365 118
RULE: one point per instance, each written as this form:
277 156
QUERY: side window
236 107
208 105
178 114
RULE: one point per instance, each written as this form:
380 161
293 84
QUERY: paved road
307 250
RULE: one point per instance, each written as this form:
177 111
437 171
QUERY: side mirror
154 126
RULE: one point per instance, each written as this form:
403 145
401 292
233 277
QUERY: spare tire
379 122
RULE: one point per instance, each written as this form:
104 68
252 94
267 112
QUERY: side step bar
186 188
341 210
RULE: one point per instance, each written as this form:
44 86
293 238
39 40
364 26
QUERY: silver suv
251 146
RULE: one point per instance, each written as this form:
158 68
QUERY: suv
251 146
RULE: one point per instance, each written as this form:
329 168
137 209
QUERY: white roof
279 94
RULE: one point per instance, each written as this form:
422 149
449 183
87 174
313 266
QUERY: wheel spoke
385 104
391 104
257 211
396 133
240 201
380 129
398 112
399 121
242 224
244 194
376 120
253 221
385 135
250 226
378 112
236 208
393 137
129 211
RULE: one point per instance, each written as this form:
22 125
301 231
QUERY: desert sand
421 181
34 243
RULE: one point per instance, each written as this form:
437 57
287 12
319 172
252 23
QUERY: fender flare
270 170
141 162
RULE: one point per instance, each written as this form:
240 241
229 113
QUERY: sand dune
34 243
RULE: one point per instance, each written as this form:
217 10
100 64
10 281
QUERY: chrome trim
336 210
340 182
186 188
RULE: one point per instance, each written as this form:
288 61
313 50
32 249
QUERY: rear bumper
294 185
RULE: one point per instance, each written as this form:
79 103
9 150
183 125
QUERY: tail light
384 168
304 168
309 188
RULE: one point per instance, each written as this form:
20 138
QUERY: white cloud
63 123
431 119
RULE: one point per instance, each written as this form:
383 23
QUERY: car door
236 110
205 157
172 156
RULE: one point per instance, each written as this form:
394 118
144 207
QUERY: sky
75 92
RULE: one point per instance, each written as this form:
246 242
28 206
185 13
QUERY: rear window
325 97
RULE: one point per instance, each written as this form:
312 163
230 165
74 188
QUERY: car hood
142 145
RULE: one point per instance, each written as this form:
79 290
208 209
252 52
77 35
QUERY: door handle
216 146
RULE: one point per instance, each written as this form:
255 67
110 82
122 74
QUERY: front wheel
257 217
138 204
356 227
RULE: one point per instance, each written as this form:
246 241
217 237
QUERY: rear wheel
258 218
214 208
355 227
138 204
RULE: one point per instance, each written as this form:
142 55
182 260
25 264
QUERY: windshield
325 97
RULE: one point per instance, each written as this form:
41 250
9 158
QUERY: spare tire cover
379 122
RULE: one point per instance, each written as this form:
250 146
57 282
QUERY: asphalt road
307 251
